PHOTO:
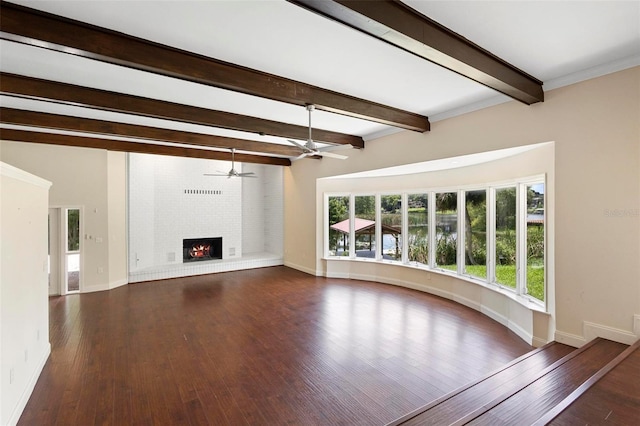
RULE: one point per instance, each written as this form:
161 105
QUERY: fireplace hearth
199 249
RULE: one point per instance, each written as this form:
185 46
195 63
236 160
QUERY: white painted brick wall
253 210
161 214
273 210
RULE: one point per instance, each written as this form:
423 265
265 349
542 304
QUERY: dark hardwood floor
612 400
267 346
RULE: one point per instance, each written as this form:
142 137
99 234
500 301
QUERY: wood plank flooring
613 400
510 380
266 346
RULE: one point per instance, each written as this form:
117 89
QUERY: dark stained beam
76 124
71 94
40 29
124 146
396 23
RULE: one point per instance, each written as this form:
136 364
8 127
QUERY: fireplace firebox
197 249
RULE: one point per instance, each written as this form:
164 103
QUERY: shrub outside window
475 228
391 217
418 228
505 220
446 230
535 241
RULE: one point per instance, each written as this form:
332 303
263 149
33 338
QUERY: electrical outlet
26 355
11 374
38 335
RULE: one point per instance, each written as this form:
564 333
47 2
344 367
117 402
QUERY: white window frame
520 185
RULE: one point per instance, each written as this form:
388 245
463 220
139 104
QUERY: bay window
492 235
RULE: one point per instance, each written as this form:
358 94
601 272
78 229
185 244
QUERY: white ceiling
556 42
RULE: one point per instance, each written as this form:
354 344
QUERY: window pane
535 240
476 233
391 215
446 229
418 215
73 229
338 226
506 236
365 217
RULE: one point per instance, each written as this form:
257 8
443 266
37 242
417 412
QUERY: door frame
62 248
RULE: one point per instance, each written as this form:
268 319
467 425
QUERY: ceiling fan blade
299 145
331 155
300 157
247 174
216 174
335 148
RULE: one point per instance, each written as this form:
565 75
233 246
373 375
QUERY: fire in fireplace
195 249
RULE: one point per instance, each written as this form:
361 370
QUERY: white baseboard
28 390
344 275
302 269
592 330
569 339
118 283
521 332
94 288
538 342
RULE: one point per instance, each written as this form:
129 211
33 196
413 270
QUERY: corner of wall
592 330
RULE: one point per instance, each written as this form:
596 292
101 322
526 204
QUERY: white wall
94 180
595 126
24 318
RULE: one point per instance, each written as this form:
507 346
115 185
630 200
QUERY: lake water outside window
391 216
418 227
446 230
475 227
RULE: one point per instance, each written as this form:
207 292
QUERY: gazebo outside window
367 228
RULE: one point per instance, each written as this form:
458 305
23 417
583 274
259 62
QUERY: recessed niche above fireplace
198 249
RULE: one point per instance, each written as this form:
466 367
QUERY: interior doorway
65 254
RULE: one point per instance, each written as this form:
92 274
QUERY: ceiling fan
233 173
310 148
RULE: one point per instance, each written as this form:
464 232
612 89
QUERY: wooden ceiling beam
125 146
396 23
112 128
40 29
70 94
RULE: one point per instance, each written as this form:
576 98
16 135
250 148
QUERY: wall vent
203 191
